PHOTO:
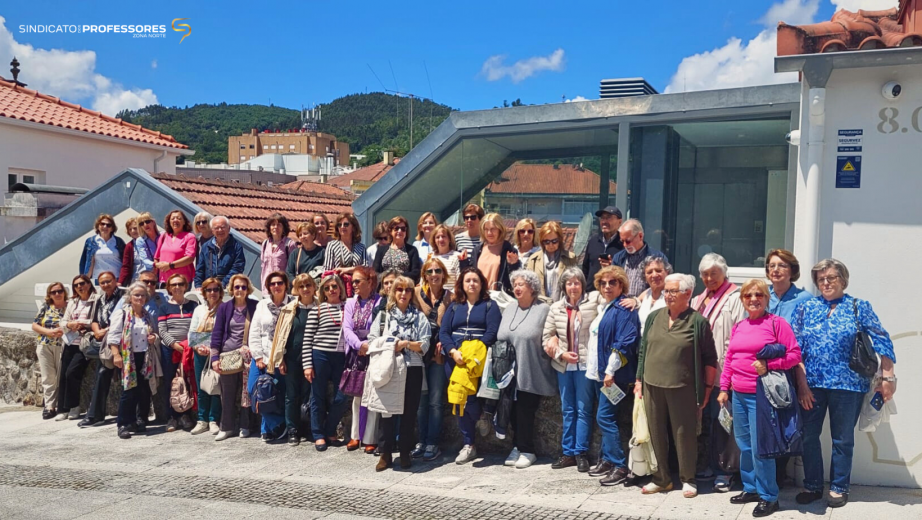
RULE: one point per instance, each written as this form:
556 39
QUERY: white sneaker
244 433
222 435
512 458
61 417
214 428
525 460
467 454
74 413
200 427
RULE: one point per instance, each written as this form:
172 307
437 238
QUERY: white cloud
739 64
577 98
867 5
153 64
70 75
495 67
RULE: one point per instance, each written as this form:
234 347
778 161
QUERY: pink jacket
746 340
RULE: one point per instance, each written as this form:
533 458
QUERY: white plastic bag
488 388
641 429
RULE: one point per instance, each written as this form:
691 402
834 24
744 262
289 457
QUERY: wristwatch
888 379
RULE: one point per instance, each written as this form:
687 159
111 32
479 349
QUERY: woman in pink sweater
176 248
741 368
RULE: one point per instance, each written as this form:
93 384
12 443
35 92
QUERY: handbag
105 356
211 380
352 382
862 360
89 346
724 445
180 397
231 362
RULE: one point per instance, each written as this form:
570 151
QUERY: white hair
633 225
710 260
203 214
531 279
220 217
686 281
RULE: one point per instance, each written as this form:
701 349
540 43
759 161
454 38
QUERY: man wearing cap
632 256
603 245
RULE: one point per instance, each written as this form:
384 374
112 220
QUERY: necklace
512 325
333 315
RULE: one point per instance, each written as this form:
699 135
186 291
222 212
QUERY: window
251 147
23 175
252 157
243 157
273 147
291 147
11 180
579 208
243 147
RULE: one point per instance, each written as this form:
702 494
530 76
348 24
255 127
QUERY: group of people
487 324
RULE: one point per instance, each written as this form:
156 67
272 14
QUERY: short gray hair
650 260
569 274
686 281
531 279
220 217
710 260
203 214
140 286
633 225
830 263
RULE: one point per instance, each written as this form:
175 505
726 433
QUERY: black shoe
265 437
85 422
807 497
101 422
293 438
631 480
124 432
565 461
617 476
837 501
582 463
140 427
601 469
48 414
745 498
765 508
320 447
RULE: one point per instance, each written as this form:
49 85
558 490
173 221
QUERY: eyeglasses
149 282
526 231
828 279
400 228
277 283
468 218
780 267
630 240
201 222
241 287
403 289
213 290
551 241
753 296
382 239
608 283
330 288
356 281
146 222
79 284
58 291
344 224
434 271
179 284
672 292
105 224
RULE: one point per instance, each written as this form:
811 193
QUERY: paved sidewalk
55 470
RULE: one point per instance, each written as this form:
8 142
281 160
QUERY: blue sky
477 53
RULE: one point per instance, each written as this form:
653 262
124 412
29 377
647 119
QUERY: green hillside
370 123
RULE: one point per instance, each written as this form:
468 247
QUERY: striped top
464 242
338 255
323 331
174 321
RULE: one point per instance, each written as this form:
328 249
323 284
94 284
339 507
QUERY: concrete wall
876 230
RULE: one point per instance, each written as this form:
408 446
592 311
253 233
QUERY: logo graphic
179 28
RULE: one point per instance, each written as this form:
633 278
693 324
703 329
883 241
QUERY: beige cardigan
556 326
536 264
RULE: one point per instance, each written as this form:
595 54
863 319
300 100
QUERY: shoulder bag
863 359
211 380
352 383
231 362
180 397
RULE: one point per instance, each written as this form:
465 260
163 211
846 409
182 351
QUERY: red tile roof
248 205
317 188
369 173
28 105
565 179
848 31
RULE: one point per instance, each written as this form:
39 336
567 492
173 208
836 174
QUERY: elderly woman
409 327
400 255
50 346
522 326
357 318
324 359
432 299
103 251
655 271
103 307
472 315
323 225
551 261
131 227
612 360
423 242
741 368
308 256
78 317
203 321
176 248
262 330
523 238
347 252
676 370
202 227
826 327
288 343
445 249
494 257
231 332
783 269
277 246
174 320
133 341
566 339
720 304
139 252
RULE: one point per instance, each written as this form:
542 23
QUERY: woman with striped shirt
324 359
347 251
174 320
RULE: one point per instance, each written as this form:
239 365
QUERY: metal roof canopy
22 187
469 149
818 67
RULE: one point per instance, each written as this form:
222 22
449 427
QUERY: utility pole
411 121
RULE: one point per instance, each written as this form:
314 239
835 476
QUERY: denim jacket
219 263
89 251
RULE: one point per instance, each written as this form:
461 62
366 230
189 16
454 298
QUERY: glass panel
10 180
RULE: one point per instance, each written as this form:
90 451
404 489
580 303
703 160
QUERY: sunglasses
58 291
79 284
330 288
201 222
550 241
277 283
403 289
213 290
146 222
382 239
149 282
400 228
753 296
434 271
608 283
304 286
526 231
356 281
471 217
179 284
105 224
241 287
344 225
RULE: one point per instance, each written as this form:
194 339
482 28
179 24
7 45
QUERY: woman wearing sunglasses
523 237
203 320
47 324
103 251
76 321
262 332
174 320
139 252
202 226
357 316
551 262
401 255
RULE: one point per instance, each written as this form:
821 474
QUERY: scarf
402 325
361 318
207 324
712 310
129 371
550 274
574 324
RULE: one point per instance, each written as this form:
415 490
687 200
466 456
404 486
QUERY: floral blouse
826 342
49 317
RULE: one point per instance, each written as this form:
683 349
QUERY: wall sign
848 171
850 141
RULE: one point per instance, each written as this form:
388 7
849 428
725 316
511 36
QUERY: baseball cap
609 209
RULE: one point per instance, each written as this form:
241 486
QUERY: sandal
723 484
689 490
652 489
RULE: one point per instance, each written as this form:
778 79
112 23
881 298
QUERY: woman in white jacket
262 328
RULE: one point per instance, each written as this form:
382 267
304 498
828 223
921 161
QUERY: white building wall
876 231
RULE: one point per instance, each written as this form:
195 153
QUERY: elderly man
602 246
632 256
221 256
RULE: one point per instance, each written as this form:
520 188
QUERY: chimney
388 157
253 131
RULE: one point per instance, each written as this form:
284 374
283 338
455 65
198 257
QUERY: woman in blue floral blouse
826 327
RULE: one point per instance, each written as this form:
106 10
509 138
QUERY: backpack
502 359
265 396
180 397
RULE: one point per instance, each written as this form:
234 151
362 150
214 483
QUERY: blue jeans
429 416
844 408
209 406
328 367
467 423
577 395
271 422
758 474
607 417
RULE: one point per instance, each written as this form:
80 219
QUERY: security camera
892 90
793 137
